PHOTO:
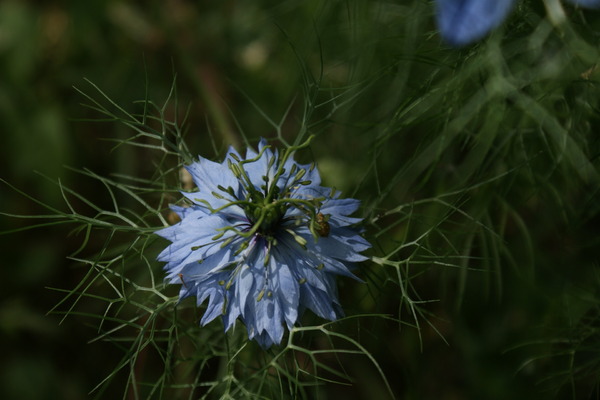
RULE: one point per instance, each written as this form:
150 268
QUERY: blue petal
211 288
350 238
464 21
269 318
244 284
233 311
339 207
313 279
196 271
319 302
207 176
198 199
263 339
190 233
285 288
317 257
183 212
333 266
248 286
335 246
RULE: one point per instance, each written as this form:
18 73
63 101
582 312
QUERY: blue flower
464 21
262 241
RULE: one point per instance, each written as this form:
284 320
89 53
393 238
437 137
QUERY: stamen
205 203
294 168
227 241
235 169
299 175
218 236
267 255
241 248
299 239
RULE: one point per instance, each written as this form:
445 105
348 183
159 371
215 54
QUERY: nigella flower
464 21
262 241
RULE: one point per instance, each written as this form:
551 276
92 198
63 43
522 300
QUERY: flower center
272 220
265 203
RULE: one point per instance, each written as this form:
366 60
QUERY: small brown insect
323 227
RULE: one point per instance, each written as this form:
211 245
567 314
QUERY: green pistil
272 219
265 207
241 248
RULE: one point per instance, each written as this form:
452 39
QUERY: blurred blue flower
263 241
464 21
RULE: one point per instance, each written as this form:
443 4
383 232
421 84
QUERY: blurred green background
399 118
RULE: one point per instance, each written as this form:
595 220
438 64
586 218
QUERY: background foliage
477 168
